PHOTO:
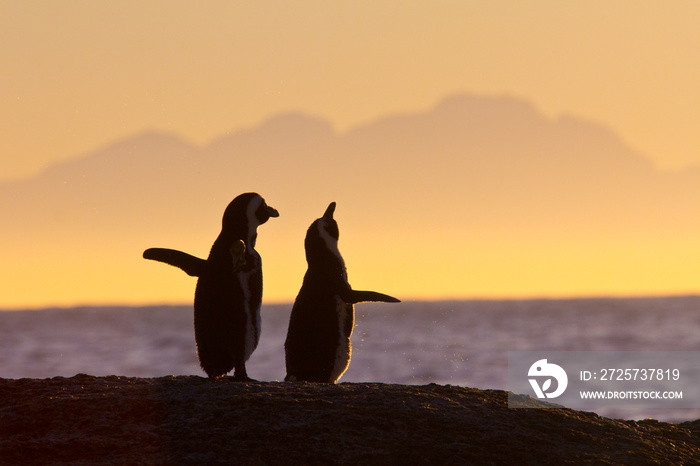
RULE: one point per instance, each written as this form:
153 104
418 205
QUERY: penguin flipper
237 251
191 265
356 296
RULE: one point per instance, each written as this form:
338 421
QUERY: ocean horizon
462 342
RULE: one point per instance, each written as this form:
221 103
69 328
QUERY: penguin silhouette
228 295
318 348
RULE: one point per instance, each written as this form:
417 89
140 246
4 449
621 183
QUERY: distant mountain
471 167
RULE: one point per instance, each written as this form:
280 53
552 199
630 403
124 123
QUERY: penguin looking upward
228 295
318 345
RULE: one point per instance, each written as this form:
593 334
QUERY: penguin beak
272 212
328 214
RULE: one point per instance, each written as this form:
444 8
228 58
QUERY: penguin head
264 212
245 213
322 238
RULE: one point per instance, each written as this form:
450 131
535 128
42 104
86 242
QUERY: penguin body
228 295
318 348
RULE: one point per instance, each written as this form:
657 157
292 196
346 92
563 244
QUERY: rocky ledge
192 420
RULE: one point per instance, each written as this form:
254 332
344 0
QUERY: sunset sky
79 75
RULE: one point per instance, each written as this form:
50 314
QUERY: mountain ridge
452 105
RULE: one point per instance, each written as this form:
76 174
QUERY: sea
464 343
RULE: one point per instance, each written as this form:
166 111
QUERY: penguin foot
246 380
240 375
243 379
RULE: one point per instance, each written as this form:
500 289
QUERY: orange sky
80 74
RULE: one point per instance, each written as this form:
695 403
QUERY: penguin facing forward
318 345
228 295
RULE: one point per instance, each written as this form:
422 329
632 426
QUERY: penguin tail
191 265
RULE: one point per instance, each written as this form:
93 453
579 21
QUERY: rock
192 420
